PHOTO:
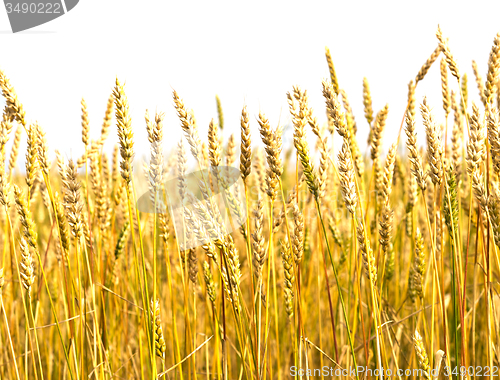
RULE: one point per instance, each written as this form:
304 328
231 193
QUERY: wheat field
245 258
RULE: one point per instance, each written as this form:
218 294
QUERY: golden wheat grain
193 265
298 234
377 132
411 98
427 65
32 165
456 142
387 179
331 68
348 111
155 170
493 123
181 170
347 184
493 70
100 189
289 275
259 171
230 150
443 44
333 223
367 254
480 84
415 288
494 212
85 124
62 223
72 199
209 282
291 198
323 169
188 125
334 109
259 251
246 145
476 150
15 149
385 230
125 135
106 124
160 345
273 145
367 102
299 138
214 148
14 108
220 114
197 228
314 124
423 359
434 144
27 270
29 228
445 91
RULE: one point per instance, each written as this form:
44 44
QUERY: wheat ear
188 125
209 282
331 68
347 179
443 44
493 123
289 274
480 84
125 135
476 149
434 144
367 102
160 345
413 154
445 90
246 145
27 269
418 270
427 65
14 108
423 359
299 115
493 70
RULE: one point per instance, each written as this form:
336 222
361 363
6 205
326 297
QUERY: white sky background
249 53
